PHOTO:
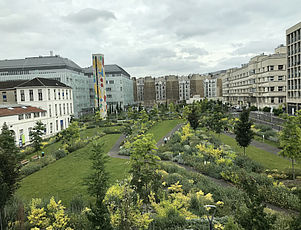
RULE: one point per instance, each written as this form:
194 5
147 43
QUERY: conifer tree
36 135
9 169
98 183
193 117
243 132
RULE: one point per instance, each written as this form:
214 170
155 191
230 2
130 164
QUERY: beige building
149 91
160 83
293 39
260 83
172 89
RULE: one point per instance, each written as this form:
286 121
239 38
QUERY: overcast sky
151 37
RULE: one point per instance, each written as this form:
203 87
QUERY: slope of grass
267 159
160 129
64 178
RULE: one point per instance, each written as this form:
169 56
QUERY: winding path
115 150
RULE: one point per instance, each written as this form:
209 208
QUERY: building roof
4 85
21 109
40 82
109 69
39 63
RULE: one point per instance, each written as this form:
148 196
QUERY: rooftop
17 110
109 69
39 63
40 82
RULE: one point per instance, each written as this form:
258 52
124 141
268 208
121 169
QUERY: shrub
166 156
60 153
30 168
28 150
248 164
266 109
76 145
253 108
77 204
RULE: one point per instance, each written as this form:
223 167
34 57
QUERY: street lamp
210 220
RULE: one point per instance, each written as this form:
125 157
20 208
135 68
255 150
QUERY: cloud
195 51
256 47
89 15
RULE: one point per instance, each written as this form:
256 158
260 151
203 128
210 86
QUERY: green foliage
243 132
70 135
36 135
193 117
98 183
126 208
290 139
9 170
60 153
144 165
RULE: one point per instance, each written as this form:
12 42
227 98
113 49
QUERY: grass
269 142
160 129
63 179
267 159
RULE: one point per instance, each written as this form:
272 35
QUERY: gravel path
260 145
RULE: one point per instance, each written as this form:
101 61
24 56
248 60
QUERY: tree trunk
244 151
293 168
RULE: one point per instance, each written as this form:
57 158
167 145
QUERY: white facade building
47 100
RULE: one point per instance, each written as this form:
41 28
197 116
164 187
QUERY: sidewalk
260 145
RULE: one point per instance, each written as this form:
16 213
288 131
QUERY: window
31 95
21 116
48 94
54 93
272 88
109 89
57 125
27 115
70 107
64 109
280 100
22 95
280 78
63 94
60 108
4 97
43 114
111 82
272 100
280 88
55 106
59 93
50 127
49 111
40 95
271 78
67 108
280 67
109 96
120 88
67 92
29 131
37 114
70 95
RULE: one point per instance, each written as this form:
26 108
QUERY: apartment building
172 89
47 100
149 91
184 88
196 85
260 83
293 40
52 67
160 84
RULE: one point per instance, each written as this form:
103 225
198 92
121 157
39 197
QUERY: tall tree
9 169
290 139
193 117
242 130
36 135
98 183
144 163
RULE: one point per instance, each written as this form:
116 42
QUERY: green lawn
160 129
63 179
267 159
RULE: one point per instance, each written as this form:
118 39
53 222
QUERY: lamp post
210 220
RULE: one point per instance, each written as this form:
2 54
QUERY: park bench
24 162
35 157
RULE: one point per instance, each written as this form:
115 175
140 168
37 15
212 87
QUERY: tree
242 130
70 135
144 164
193 117
36 135
253 215
9 169
290 139
98 182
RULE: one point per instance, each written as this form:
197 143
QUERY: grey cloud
256 47
89 15
195 51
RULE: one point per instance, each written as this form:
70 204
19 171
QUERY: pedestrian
165 140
